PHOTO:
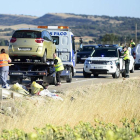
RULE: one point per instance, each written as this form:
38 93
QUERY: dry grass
18 26
107 102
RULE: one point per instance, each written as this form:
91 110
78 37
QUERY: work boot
127 76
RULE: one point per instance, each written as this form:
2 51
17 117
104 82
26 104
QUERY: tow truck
64 41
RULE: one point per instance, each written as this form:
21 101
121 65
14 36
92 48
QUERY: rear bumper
26 54
137 65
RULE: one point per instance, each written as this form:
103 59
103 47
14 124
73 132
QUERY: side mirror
54 41
121 56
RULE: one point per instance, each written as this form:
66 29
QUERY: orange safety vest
4 59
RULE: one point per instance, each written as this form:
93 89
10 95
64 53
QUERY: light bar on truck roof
54 27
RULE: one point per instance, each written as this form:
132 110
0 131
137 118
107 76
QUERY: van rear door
137 60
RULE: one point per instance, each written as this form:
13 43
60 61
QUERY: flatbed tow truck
37 70
65 45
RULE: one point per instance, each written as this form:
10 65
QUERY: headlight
87 61
110 63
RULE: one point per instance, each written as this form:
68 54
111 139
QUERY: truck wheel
69 78
117 73
43 59
96 75
54 81
124 74
132 70
86 75
14 79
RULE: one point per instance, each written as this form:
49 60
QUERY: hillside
81 25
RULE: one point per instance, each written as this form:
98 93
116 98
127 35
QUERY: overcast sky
129 8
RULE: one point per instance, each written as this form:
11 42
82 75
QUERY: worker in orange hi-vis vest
4 68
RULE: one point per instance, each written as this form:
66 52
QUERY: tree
109 38
2 42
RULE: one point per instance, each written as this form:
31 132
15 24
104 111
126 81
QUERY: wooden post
12 95
0 94
0 98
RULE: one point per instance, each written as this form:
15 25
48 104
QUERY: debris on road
20 89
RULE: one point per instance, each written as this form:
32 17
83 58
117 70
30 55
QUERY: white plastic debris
46 92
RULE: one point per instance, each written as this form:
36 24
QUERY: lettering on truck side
58 33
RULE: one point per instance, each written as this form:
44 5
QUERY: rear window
27 34
105 53
88 48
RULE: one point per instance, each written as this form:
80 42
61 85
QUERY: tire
69 78
96 75
117 73
54 81
43 59
124 74
14 79
132 70
86 75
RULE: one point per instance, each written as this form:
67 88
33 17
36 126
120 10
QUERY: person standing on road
127 61
132 43
58 68
4 68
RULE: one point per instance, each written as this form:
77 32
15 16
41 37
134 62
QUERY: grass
106 102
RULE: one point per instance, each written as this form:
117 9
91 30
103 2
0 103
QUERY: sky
127 8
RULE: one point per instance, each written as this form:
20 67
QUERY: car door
121 61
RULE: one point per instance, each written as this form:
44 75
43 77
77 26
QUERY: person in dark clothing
58 68
127 61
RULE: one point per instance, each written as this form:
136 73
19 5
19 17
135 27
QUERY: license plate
24 49
97 67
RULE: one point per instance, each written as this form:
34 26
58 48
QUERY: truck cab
65 45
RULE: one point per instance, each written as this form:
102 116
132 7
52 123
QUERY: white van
136 55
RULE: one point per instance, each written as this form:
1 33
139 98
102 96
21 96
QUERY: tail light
13 39
39 40
134 55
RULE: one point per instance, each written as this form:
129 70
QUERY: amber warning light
54 27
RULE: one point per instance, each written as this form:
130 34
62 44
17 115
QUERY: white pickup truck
106 61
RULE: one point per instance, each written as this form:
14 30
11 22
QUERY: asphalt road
79 80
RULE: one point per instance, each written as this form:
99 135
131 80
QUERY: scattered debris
20 89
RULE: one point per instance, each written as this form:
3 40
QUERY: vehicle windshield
27 34
104 53
88 48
